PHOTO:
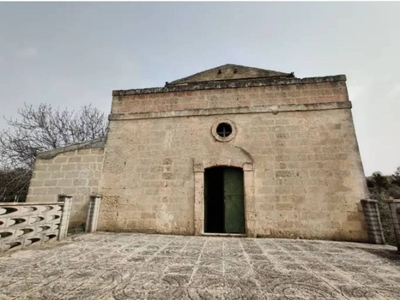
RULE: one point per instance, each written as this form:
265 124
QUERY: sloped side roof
229 72
96 143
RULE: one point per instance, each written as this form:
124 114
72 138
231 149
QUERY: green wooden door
234 200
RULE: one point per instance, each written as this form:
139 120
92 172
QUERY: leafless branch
40 129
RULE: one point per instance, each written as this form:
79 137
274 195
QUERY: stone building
232 149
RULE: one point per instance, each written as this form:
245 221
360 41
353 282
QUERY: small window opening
224 130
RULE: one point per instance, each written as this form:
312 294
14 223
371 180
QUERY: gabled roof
229 72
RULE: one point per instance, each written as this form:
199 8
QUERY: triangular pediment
230 72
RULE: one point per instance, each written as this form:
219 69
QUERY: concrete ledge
228 84
97 143
29 203
275 109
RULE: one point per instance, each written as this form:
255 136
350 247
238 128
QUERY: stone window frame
249 201
227 138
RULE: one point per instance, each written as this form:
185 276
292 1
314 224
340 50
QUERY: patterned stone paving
135 266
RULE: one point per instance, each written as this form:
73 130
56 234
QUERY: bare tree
40 129
396 176
14 184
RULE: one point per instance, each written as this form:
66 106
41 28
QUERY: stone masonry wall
325 92
75 173
308 177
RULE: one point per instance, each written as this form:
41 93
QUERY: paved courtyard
136 266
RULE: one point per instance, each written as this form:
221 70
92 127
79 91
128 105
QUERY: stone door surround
249 204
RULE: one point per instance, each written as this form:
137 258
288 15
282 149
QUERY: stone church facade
230 150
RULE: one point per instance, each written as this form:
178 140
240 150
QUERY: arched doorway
224 200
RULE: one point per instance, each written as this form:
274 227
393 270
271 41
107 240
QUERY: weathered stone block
68 167
57 175
84 152
42 175
64 182
80 182
59 160
50 182
54 167
36 183
89 159
38 191
75 159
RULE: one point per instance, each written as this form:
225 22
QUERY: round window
224 129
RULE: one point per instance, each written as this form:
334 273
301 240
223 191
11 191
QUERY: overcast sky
71 54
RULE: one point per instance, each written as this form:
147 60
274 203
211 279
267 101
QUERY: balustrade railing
26 224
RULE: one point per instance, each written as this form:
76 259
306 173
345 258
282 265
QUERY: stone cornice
274 109
228 84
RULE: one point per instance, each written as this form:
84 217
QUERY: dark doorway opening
224 200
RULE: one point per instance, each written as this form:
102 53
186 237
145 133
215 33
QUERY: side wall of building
75 173
307 178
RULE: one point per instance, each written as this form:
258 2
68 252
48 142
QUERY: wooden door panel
234 200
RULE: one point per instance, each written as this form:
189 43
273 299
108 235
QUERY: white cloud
356 92
394 93
27 52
